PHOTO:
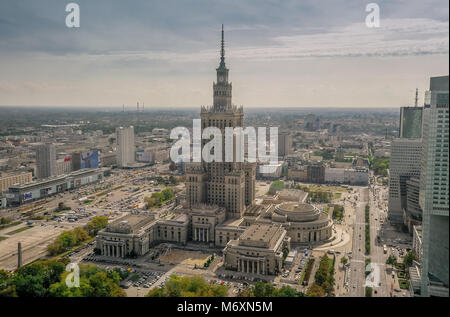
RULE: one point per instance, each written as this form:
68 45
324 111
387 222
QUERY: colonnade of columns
201 234
252 266
117 251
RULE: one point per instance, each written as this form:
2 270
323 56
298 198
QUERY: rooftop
260 232
131 223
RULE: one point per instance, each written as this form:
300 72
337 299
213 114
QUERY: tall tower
227 184
434 188
46 160
125 146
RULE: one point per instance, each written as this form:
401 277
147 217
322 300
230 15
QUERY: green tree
315 291
391 260
409 258
187 286
276 186
7 287
95 225
168 194
344 261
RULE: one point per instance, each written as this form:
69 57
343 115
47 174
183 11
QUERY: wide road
357 264
377 254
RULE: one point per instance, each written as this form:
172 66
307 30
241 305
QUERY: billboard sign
28 196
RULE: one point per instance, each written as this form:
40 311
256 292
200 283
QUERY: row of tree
338 212
187 286
324 279
48 279
262 289
75 237
367 229
158 199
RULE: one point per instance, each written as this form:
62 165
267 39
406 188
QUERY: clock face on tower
221 78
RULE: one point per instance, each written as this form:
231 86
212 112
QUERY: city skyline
320 55
103 192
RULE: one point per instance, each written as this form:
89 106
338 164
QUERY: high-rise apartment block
125 146
284 143
46 160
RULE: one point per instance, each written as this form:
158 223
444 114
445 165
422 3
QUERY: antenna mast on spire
222 50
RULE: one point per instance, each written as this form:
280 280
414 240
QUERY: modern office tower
45 160
412 214
404 164
125 146
226 184
433 196
410 122
284 143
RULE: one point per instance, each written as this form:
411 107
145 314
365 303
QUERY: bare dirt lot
190 258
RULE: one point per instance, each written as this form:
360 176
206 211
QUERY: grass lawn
3 238
12 224
19 230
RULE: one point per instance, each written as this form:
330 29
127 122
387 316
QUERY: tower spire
222 51
417 97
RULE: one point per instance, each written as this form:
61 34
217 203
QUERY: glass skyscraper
433 195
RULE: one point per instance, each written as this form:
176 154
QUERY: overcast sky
286 53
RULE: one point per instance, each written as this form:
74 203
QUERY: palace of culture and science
220 211
232 184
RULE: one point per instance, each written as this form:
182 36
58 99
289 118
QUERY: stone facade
258 251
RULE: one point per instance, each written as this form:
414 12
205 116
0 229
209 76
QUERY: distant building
19 194
276 171
160 131
316 174
284 144
434 190
334 175
3 202
298 174
45 160
125 146
85 159
310 122
340 154
410 122
63 166
152 155
16 179
108 159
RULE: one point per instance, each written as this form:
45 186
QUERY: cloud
395 37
